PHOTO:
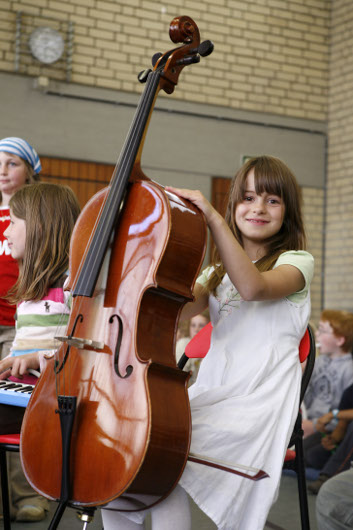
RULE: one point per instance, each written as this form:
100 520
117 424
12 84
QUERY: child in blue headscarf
19 165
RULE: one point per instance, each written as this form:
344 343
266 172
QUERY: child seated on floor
333 371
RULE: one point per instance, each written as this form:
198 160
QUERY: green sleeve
202 279
303 261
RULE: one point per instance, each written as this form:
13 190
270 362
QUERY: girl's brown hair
271 175
50 212
32 177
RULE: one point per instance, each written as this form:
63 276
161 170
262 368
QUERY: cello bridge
80 344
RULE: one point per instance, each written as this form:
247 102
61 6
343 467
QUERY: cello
109 416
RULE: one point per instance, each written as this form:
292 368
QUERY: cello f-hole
58 368
79 317
129 368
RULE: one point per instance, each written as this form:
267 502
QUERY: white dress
245 400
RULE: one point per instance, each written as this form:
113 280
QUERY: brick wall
314 221
270 55
339 219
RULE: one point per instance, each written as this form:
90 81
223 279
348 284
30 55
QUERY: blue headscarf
23 149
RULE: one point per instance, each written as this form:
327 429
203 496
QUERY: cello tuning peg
155 58
142 77
206 48
188 60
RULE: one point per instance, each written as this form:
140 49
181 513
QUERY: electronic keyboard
16 394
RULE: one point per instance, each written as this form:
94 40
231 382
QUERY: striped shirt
37 323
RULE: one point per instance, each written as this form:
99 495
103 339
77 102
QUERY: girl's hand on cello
19 366
198 199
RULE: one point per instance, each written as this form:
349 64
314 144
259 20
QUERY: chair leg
303 496
5 490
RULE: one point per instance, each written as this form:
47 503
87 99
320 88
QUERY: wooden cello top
135 254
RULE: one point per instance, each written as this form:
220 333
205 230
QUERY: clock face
46 45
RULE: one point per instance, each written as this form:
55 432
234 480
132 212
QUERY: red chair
198 348
8 442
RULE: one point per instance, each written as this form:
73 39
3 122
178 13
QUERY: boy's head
335 331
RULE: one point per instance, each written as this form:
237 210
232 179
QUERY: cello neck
94 257
167 68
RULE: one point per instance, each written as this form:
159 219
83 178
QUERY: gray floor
284 514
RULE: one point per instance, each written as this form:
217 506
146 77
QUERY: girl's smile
257 221
258 217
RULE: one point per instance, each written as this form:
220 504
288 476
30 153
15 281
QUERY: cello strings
107 213
102 234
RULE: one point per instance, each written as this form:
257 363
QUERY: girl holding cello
245 400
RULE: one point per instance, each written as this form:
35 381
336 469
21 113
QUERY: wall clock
46 45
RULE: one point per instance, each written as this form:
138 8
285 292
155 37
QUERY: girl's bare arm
194 308
250 283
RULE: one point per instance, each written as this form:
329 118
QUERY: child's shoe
30 513
315 486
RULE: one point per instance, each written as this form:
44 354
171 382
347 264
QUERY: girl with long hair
245 400
42 219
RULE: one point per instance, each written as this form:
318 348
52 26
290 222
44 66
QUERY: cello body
134 430
135 254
